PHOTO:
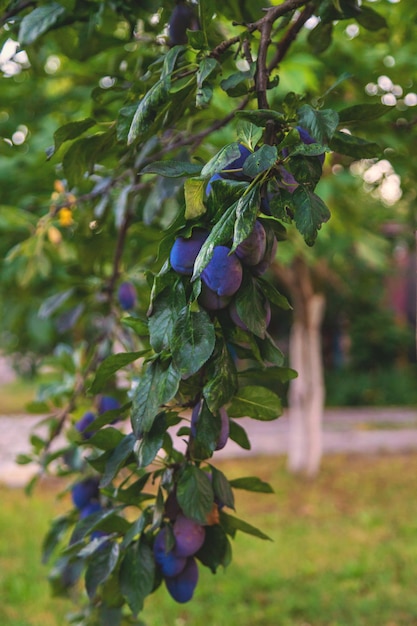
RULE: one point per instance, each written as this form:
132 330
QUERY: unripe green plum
184 251
189 536
252 250
223 274
182 586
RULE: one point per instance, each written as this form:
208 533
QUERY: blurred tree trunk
307 392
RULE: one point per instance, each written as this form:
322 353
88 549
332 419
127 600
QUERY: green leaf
117 459
220 233
246 212
250 306
222 382
193 341
370 19
232 524
106 439
152 441
248 133
320 37
216 548
362 113
238 435
238 83
157 385
221 487
260 161
84 154
72 130
53 303
137 575
111 365
261 117
100 567
13 218
273 295
256 402
355 147
321 124
194 197
267 377
251 483
207 431
55 533
195 494
140 326
39 21
165 311
207 66
148 109
310 213
221 160
172 169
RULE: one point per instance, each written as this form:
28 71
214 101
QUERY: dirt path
346 430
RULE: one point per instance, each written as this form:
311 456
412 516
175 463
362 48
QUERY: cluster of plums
174 548
86 498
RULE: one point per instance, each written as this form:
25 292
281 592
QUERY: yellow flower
59 186
65 216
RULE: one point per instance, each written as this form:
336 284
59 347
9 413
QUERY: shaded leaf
137 574
172 169
257 402
193 341
232 524
111 365
100 567
362 113
39 21
321 124
260 161
165 311
310 213
355 147
238 434
148 109
195 494
251 483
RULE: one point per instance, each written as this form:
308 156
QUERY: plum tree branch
289 37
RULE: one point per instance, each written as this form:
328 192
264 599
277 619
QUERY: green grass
14 396
344 552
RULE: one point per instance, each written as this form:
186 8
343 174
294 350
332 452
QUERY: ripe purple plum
182 18
237 164
182 586
127 296
211 181
270 252
83 423
107 403
84 492
224 430
211 301
223 274
169 563
252 250
307 139
184 251
189 536
90 509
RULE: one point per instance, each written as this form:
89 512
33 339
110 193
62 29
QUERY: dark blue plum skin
127 296
307 139
84 492
83 423
107 403
182 586
182 19
90 509
252 250
169 563
189 536
223 274
224 430
211 301
211 181
184 251
238 163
